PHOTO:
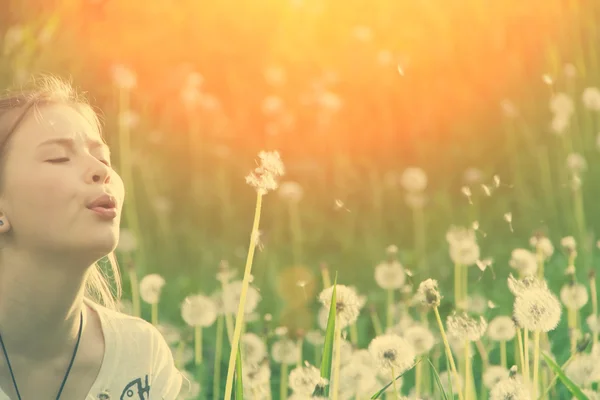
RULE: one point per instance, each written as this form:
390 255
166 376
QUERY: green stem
555 377
239 321
390 305
337 360
448 351
394 383
154 314
218 352
536 359
503 353
198 344
283 381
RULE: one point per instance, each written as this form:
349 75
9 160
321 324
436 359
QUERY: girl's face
48 185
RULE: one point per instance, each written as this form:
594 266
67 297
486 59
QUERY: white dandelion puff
420 338
428 293
231 298
390 275
253 348
494 374
199 310
285 351
510 388
501 329
392 353
151 287
464 327
591 98
347 303
264 177
537 309
291 191
524 261
574 296
304 379
414 179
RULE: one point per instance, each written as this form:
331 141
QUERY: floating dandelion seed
467 192
483 264
475 227
257 239
491 304
400 70
339 205
486 190
547 79
497 181
508 218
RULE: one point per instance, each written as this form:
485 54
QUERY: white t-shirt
138 363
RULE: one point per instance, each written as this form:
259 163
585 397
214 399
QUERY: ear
4 224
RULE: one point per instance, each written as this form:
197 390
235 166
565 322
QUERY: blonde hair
15 106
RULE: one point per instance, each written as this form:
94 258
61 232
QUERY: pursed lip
105 201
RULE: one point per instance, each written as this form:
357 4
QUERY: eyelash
61 160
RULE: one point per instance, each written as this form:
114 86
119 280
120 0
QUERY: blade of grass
383 389
239 385
437 378
326 358
573 388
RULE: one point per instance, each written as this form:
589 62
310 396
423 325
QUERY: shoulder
142 344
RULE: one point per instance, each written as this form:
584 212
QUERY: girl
60 208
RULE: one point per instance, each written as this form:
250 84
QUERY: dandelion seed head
574 296
428 293
123 77
460 325
562 104
414 179
304 379
517 287
347 303
501 328
591 98
390 275
576 163
537 309
232 295
264 177
392 352
151 287
494 374
447 378
568 243
524 261
543 245
420 338
510 389
584 369
253 348
127 241
199 310
285 351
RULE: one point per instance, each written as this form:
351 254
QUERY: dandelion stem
337 360
325 276
536 361
465 296
390 305
526 356
354 334
229 326
520 352
419 224
503 353
239 321
218 352
376 322
594 296
447 347
394 383
467 370
283 381
179 356
198 344
300 355
540 260
154 314
418 379
457 289
571 319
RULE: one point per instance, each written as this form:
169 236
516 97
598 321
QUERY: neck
41 300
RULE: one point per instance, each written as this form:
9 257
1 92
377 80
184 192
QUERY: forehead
56 121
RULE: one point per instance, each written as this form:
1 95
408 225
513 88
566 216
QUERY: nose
100 173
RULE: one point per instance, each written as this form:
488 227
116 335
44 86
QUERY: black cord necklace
68 369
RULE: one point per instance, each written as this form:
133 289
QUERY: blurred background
351 93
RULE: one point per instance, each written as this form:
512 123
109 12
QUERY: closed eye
58 160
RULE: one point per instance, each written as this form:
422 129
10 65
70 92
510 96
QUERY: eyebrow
70 143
